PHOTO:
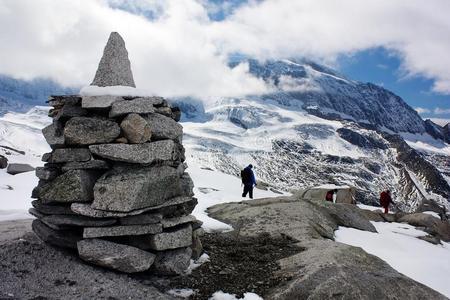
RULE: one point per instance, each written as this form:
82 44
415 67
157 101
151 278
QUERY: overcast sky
180 47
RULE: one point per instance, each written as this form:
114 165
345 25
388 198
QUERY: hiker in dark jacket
386 200
248 180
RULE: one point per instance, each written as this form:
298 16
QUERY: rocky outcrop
324 269
15 168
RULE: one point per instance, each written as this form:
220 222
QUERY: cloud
422 110
176 49
441 111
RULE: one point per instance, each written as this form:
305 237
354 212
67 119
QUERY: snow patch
224 296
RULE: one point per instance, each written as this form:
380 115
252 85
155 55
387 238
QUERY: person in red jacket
386 200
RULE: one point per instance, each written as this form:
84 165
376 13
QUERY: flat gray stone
70 111
94 164
172 262
34 212
70 154
138 106
172 222
72 186
52 209
135 129
114 67
163 127
115 256
141 219
15 168
87 210
187 184
87 131
182 237
46 173
147 153
63 238
75 220
127 189
99 102
53 137
197 246
92 232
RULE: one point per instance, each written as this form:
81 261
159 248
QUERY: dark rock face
86 131
114 67
115 256
360 140
124 190
52 209
3 162
14 168
63 238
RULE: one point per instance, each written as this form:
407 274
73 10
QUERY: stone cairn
114 186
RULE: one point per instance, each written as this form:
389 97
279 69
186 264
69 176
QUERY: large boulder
432 225
148 153
114 67
138 106
124 189
86 131
14 168
135 129
163 127
115 256
72 186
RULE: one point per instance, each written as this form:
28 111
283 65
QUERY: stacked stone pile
114 186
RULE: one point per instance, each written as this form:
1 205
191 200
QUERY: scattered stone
54 138
172 222
14 168
127 189
92 232
430 239
163 128
99 102
70 154
173 262
137 106
115 256
94 164
87 210
148 153
181 237
141 219
65 239
46 157
75 220
114 67
46 173
86 131
135 129
72 186
52 209
3 162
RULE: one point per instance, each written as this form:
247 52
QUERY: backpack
329 196
245 176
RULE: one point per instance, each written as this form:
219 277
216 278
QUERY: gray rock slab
135 129
138 106
163 127
181 237
34 212
15 168
172 222
115 256
53 137
127 189
61 100
70 111
141 219
114 67
70 154
86 131
72 186
76 220
52 209
93 164
93 232
147 153
46 173
172 262
187 184
197 246
87 210
64 238
3 162
99 102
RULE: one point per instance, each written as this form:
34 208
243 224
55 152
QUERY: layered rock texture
114 187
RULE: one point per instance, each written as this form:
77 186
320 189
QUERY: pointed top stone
114 67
